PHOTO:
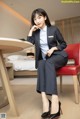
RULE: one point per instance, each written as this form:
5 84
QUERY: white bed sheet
19 65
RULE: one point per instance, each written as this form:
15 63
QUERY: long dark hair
40 12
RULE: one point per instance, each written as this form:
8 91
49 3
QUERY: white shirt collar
44 29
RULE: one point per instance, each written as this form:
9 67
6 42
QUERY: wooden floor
30 106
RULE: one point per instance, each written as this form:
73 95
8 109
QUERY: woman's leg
52 64
55 104
41 76
45 102
47 82
41 85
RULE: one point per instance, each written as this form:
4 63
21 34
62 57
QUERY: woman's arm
30 36
50 51
61 43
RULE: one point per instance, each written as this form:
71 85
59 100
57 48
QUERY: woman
49 45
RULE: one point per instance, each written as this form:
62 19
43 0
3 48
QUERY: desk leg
3 97
6 83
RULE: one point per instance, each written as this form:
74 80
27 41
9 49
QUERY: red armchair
73 51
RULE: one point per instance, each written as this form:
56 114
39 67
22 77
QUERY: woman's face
39 21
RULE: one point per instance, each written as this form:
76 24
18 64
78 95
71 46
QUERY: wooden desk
8 45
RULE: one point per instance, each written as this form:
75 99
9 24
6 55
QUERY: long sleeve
31 39
61 43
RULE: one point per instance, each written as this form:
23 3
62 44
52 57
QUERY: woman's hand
34 28
50 51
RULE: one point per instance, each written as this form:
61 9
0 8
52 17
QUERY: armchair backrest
73 51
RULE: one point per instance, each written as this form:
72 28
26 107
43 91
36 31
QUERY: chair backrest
73 51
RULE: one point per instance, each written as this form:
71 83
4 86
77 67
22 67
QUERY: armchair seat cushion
69 70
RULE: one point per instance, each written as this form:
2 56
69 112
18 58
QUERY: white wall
11 25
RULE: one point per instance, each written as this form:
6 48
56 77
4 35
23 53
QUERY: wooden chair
73 70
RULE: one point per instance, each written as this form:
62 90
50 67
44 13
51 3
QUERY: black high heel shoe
46 114
56 115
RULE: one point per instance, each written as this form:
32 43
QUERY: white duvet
22 62
23 65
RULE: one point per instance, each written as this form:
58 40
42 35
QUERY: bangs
37 13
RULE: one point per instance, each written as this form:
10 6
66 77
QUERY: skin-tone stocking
55 104
45 102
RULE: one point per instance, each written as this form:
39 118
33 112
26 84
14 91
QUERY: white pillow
71 62
16 57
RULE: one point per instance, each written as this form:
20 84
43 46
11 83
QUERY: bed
23 65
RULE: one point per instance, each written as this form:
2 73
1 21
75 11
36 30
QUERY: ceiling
55 9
